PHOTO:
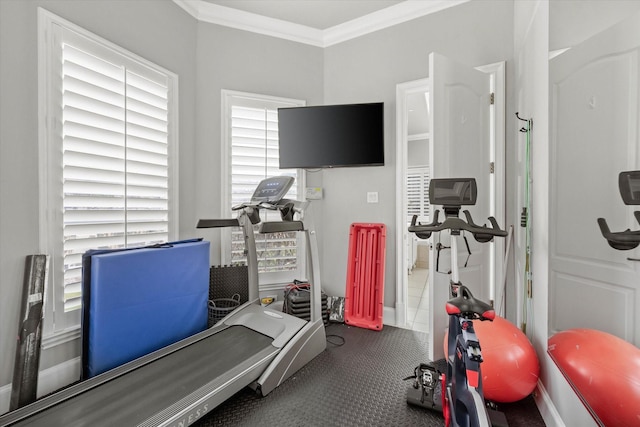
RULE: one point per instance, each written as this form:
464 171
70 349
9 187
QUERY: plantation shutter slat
254 156
115 155
418 193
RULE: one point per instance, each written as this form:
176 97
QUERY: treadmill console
272 190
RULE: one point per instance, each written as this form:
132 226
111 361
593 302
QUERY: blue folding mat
136 301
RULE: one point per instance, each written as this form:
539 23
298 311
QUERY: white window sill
58 338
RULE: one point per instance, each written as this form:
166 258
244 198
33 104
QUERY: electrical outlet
372 197
313 193
268 300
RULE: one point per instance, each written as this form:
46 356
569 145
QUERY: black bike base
415 397
426 391
498 419
427 394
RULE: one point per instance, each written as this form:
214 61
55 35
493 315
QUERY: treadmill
175 386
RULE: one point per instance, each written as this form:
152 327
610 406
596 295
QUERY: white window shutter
147 167
93 143
418 193
254 156
109 149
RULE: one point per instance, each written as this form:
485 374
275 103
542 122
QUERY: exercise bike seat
467 305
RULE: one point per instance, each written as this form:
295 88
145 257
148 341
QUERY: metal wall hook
529 123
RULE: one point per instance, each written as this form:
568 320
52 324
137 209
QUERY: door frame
403 90
497 202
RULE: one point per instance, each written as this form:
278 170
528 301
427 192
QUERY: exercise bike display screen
453 191
629 184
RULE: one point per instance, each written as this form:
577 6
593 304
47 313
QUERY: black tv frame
331 136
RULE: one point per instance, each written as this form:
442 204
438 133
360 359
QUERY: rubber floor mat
359 383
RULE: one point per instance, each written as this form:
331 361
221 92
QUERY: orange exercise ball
510 366
604 370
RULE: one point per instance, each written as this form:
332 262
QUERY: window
107 156
418 193
250 135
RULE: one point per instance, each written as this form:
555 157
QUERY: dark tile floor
359 383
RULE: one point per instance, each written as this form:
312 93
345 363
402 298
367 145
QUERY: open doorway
405 93
417 197
413 143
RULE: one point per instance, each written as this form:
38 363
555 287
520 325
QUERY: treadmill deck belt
134 397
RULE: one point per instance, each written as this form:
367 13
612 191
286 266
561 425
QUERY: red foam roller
364 294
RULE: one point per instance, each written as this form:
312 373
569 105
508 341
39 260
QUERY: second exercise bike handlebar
482 233
621 240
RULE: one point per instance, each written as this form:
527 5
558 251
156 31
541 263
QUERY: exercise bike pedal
426 390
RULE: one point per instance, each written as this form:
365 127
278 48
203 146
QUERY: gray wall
206 57
156 30
247 62
367 69
209 58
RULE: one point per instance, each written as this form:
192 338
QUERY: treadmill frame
295 344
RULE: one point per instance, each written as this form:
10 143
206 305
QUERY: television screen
331 136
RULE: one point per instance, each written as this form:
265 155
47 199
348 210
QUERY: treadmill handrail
218 223
280 226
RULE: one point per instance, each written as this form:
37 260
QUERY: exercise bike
460 380
629 186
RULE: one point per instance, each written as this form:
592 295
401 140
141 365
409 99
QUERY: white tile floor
417 302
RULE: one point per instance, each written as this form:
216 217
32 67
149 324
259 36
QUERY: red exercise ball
510 369
604 370
510 366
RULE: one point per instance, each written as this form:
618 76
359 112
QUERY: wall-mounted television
327 136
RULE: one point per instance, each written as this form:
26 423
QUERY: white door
460 148
594 136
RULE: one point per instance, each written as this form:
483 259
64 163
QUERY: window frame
61 326
271 280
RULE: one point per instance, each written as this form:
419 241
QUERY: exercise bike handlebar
482 233
621 240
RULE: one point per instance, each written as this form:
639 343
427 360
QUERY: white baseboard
389 316
5 398
547 409
58 376
49 380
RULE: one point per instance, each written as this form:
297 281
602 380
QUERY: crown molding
384 18
241 20
393 15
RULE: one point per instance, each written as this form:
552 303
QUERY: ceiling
321 23
326 14
326 22
318 14
316 22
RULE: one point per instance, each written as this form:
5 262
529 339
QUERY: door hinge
492 167
492 98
